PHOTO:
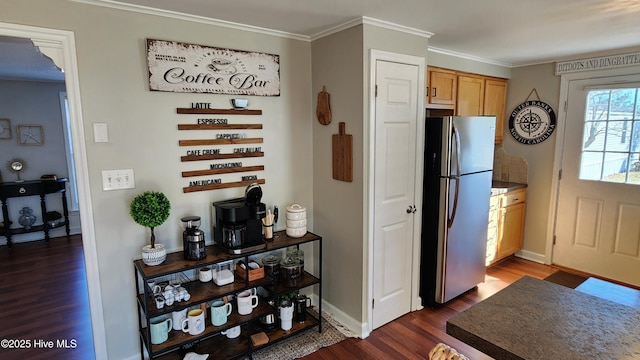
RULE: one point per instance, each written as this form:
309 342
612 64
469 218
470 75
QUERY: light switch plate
100 133
117 179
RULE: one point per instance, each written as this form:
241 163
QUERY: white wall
110 46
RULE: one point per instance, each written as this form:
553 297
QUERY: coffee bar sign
188 68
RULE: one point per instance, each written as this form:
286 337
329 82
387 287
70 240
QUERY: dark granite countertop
500 187
535 319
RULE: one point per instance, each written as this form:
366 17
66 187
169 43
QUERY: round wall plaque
532 122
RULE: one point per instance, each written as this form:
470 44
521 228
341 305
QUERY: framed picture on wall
30 134
5 129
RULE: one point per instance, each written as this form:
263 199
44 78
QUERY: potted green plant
151 209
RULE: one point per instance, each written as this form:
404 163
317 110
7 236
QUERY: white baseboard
531 256
359 329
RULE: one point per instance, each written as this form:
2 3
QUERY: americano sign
188 68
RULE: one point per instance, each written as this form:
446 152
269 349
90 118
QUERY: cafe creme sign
189 68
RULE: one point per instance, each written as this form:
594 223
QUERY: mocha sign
180 67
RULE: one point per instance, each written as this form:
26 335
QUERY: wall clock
532 122
30 135
5 129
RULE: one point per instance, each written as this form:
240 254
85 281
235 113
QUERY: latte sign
188 68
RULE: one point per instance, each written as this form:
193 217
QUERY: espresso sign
188 68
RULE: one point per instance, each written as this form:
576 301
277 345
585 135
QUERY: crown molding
194 18
468 57
370 21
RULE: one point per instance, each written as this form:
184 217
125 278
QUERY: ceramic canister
296 220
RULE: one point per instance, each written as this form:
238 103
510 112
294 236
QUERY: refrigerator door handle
455 135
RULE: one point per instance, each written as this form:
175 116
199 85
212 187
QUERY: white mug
177 317
247 300
194 322
205 274
232 333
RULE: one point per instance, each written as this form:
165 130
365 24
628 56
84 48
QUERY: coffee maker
238 222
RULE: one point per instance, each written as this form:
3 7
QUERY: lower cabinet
506 225
218 341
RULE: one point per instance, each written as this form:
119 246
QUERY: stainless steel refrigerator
458 168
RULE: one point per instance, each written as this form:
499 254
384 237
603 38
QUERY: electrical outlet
117 179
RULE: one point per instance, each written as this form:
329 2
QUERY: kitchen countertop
500 187
537 319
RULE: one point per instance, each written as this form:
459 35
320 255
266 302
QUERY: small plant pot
154 256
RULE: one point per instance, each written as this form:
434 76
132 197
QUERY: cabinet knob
22 190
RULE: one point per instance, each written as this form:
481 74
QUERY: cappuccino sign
188 68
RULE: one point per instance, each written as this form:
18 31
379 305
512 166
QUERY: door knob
411 209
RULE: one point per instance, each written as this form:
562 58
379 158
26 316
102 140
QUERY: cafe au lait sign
189 68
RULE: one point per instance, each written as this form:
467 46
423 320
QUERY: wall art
188 68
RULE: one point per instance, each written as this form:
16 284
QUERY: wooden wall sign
207 149
189 68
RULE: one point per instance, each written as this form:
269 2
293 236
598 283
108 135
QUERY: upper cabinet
495 98
441 88
470 100
467 94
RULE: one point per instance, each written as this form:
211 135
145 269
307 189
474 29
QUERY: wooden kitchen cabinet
495 97
506 225
441 88
470 100
467 95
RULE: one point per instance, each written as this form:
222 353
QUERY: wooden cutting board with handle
342 151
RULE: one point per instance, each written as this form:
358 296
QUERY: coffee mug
160 328
177 317
232 333
205 274
159 302
247 300
286 316
219 312
194 322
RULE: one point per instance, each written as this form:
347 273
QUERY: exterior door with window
598 214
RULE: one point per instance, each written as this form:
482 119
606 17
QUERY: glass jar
296 254
290 271
271 264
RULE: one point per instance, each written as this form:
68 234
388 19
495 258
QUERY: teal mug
219 312
160 327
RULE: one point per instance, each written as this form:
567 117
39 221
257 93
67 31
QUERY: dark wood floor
413 335
44 301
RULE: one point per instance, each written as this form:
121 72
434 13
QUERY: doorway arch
59 45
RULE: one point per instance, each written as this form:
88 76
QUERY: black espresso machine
238 222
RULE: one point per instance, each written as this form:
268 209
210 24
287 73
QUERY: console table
33 188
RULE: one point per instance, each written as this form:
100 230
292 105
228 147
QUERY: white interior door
396 109
597 221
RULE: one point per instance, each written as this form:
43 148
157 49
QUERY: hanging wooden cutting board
323 108
342 151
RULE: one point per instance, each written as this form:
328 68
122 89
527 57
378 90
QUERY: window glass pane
634 169
613 168
594 135
591 166
597 105
635 136
622 103
618 136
